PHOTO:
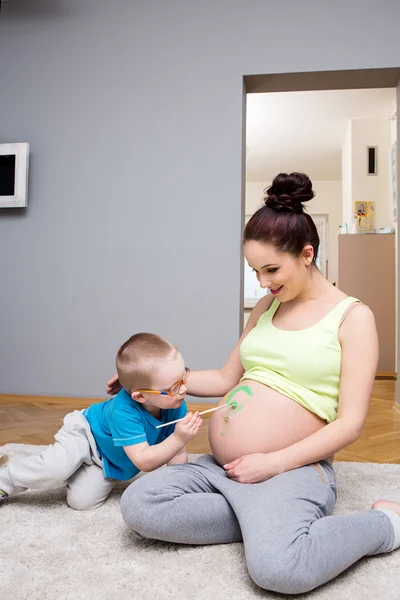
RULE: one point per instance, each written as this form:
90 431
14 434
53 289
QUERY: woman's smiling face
282 273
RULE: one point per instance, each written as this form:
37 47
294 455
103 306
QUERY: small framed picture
14 159
364 216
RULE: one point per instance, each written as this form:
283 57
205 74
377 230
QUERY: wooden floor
35 420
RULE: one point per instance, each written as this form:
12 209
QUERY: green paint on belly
236 406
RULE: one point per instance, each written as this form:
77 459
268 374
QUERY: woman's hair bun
288 192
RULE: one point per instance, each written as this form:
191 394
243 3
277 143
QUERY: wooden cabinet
367 270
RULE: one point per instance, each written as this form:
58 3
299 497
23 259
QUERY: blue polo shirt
123 422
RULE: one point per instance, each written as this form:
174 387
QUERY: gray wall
133 110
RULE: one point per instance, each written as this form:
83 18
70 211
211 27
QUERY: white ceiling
304 131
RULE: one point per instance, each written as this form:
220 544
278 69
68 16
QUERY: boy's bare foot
387 505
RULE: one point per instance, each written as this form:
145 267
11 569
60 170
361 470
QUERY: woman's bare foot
392 510
387 505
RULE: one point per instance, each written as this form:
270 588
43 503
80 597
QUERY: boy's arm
147 458
180 458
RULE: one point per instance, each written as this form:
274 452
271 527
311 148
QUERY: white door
321 223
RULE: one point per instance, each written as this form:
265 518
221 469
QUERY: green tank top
302 365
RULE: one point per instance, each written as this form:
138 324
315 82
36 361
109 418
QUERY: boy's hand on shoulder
187 429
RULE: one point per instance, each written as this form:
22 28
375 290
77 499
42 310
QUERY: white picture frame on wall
14 161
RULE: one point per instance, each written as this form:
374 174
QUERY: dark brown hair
138 358
282 221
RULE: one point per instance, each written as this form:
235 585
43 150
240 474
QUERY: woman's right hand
113 386
188 428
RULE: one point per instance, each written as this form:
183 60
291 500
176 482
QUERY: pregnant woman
300 380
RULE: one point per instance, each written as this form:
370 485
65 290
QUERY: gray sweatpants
72 461
292 544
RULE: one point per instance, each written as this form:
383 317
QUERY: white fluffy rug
49 551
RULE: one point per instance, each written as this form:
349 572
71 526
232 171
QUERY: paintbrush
233 404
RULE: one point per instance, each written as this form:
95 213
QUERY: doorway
369 79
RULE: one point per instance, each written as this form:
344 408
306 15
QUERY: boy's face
167 373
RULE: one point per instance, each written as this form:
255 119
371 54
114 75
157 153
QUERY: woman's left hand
254 468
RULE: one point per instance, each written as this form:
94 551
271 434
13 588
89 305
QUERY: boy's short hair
138 357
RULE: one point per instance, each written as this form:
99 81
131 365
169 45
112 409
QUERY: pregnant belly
262 422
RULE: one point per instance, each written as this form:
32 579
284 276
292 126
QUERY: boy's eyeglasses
173 390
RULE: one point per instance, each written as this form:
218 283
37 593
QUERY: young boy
114 440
